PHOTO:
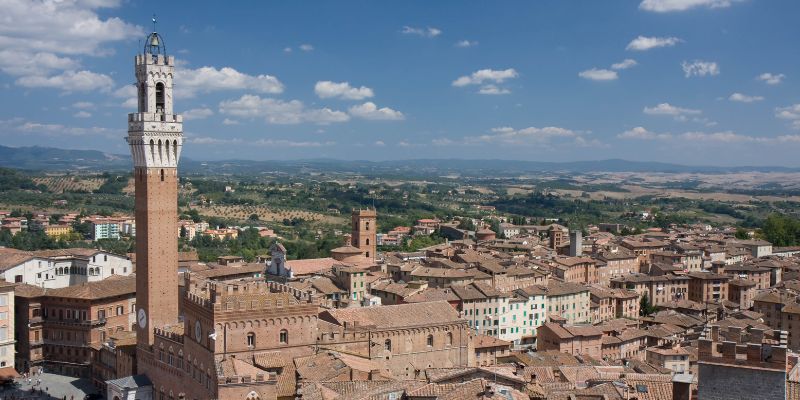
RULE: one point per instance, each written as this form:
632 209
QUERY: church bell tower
155 135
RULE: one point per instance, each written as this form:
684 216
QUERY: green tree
741 233
781 230
645 308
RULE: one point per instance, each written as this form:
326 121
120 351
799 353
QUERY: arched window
160 97
251 340
162 175
449 338
430 340
284 336
387 345
367 241
366 224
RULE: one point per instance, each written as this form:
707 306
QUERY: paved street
52 387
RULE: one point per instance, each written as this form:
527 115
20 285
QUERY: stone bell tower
155 135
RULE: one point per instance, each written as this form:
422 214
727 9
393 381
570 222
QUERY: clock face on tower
198 331
142 318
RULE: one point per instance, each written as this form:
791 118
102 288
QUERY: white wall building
6 328
61 268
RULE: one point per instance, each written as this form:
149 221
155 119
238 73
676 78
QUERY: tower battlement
154 59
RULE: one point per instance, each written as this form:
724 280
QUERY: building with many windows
7 331
61 268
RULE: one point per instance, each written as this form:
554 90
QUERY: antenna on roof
154 22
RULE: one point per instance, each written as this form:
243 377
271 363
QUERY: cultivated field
61 184
267 214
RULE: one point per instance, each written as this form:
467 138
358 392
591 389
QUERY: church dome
154 44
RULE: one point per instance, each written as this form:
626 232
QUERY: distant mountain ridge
52 159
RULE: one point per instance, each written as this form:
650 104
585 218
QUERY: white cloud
791 113
19 125
483 75
370 111
493 89
276 111
682 5
466 43
669 109
127 92
228 121
770 78
624 64
197 113
442 142
290 143
16 62
62 27
643 43
328 89
306 47
641 133
287 49
724 137
212 140
530 135
83 105
595 74
743 98
380 143
209 79
700 68
70 81
82 114
788 112
40 39
423 32
130 103
788 138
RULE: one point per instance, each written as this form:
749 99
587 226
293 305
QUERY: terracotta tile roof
325 285
484 341
396 316
110 287
432 294
231 270
475 291
25 290
365 390
237 367
287 382
271 359
555 288
10 260
579 374
310 266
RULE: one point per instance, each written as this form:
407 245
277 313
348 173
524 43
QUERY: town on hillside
159 283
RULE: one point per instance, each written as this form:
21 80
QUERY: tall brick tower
364 224
155 136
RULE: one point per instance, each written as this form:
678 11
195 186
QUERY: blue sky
685 81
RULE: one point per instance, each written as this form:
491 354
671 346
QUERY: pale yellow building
56 231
